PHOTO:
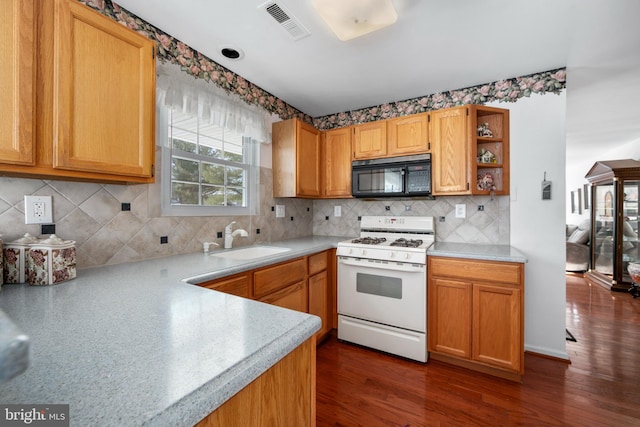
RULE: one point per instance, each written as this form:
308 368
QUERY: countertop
504 253
133 344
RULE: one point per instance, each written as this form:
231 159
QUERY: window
206 170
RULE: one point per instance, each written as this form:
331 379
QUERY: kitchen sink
251 252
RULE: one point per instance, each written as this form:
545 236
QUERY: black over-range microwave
392 177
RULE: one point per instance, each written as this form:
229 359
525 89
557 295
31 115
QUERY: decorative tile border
199 66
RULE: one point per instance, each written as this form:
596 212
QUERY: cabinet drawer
293 297
470 269
277 277
317 263
235 285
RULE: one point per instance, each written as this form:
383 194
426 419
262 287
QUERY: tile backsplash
489 225
91 214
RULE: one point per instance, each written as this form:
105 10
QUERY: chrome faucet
228 235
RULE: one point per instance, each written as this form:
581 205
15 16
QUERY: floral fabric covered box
1 264
51 261
15 254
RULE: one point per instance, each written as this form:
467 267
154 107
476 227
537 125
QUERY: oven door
391 293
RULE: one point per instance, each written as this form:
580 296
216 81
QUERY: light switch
461 211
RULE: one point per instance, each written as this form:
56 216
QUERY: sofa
578 251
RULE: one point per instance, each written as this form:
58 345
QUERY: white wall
537 135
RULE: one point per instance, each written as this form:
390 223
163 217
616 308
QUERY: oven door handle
393 267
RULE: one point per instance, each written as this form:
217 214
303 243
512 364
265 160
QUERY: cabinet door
497 330
449 137
337 162
370 140
17 82
449 315
319 301
104 94
408 135
307 160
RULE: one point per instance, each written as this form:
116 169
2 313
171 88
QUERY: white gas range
382 285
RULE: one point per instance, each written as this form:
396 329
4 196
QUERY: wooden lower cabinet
293 297
476 315
304 284
238 284
450 311
284 395
319 292
270 279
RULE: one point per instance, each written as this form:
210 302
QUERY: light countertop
504 253
133 344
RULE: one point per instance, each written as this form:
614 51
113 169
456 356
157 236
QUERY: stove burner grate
407 243
369 240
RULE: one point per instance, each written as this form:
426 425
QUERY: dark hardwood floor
600 387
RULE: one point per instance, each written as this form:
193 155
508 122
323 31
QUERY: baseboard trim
552 354
546 356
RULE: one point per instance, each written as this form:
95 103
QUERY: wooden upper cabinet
370 140
104 94
17 82
337 162
89 112
308 160
451 153
296 155
408 135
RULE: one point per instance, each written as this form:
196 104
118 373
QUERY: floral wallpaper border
509 90
199 66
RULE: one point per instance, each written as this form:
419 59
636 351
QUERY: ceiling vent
286 20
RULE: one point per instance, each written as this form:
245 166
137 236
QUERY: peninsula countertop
133 344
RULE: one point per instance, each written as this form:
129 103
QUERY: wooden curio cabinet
614 222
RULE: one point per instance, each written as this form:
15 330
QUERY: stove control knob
363 252
350 251
407 255
392 255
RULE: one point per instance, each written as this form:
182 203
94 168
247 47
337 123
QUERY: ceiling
434 46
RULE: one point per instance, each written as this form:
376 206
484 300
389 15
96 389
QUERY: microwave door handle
391 267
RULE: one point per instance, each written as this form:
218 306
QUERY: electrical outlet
337 210
279 211
461 211
38 210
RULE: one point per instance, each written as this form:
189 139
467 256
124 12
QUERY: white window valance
179 91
